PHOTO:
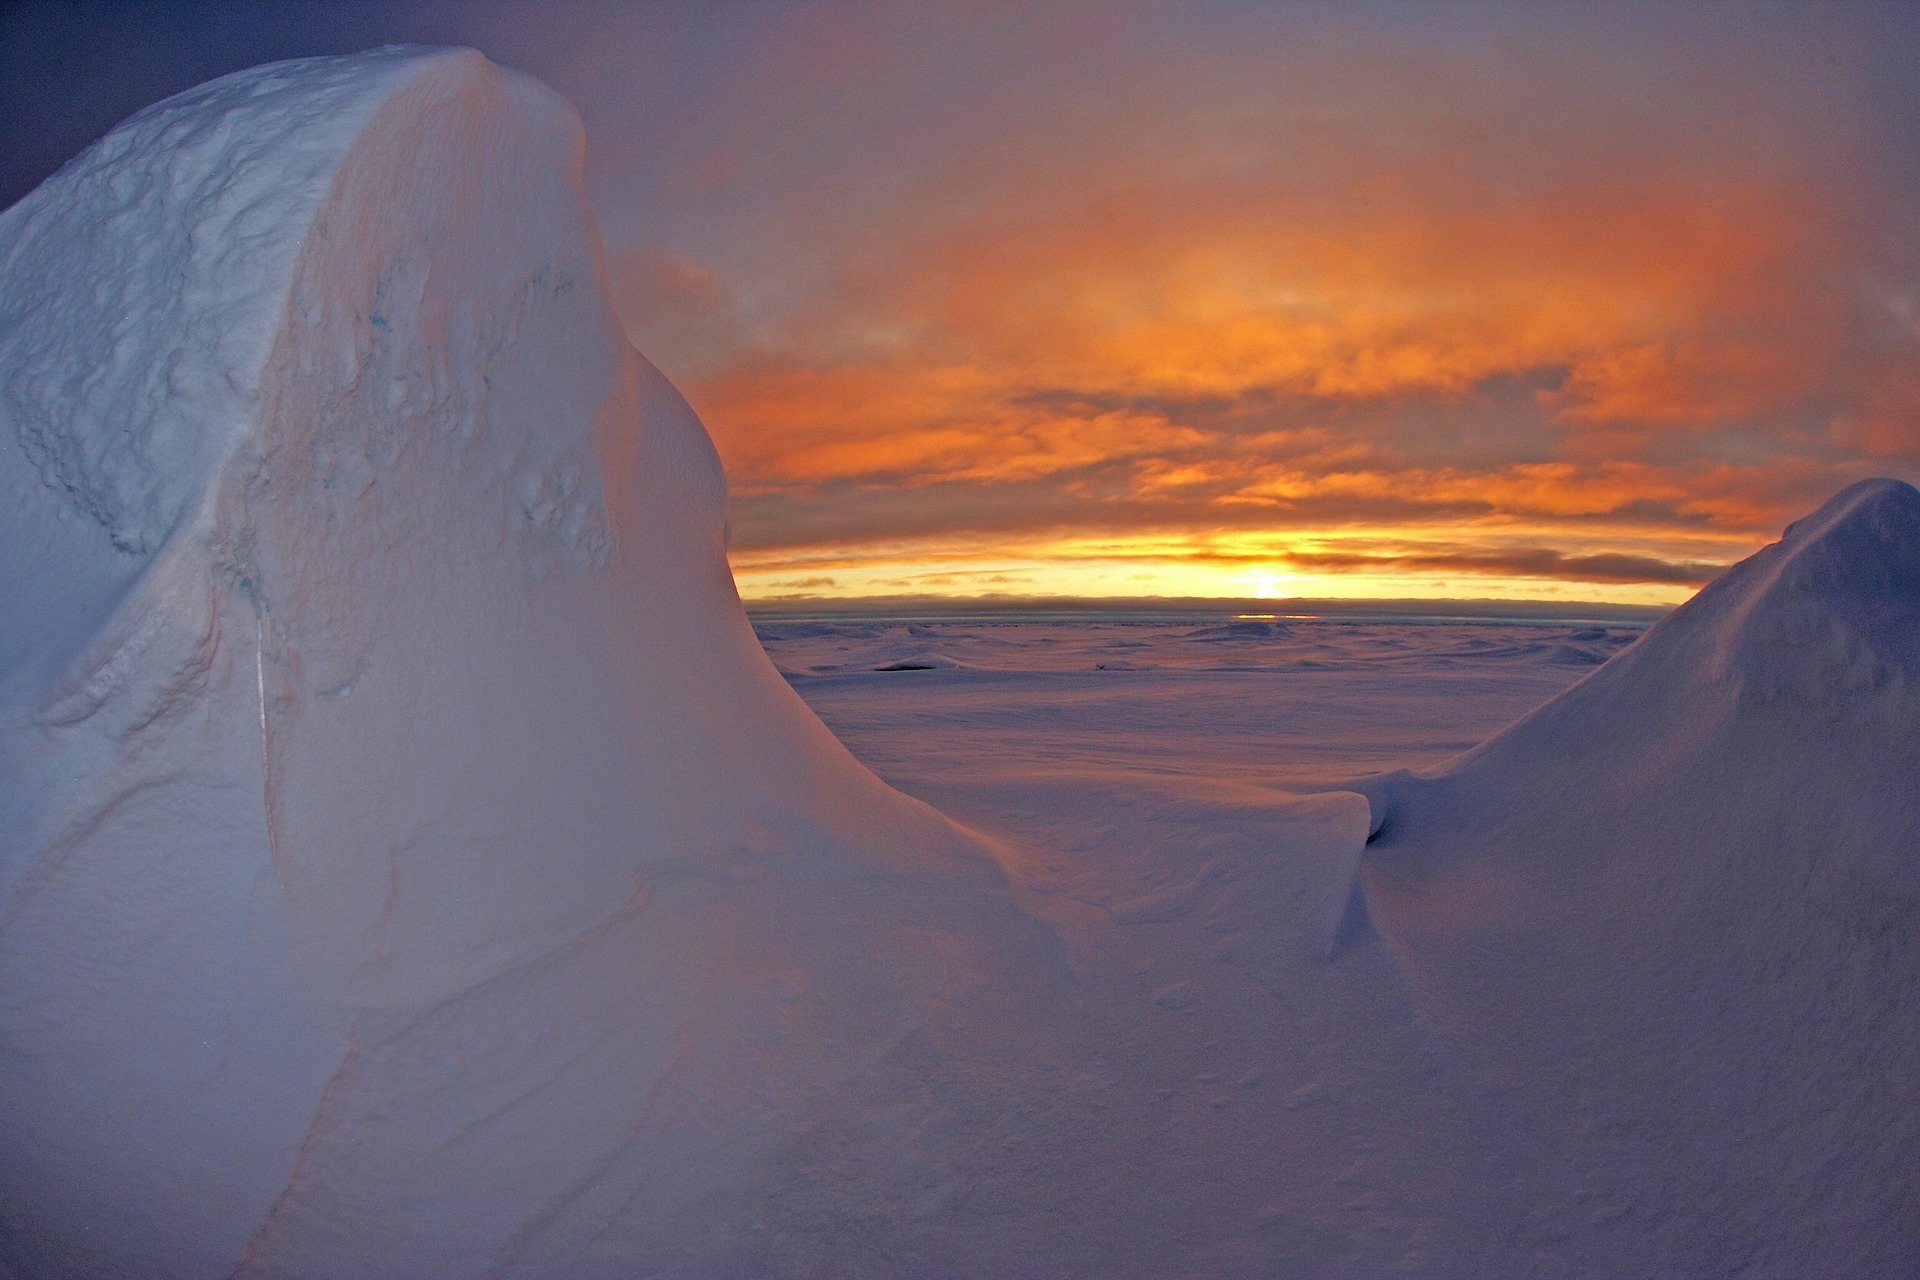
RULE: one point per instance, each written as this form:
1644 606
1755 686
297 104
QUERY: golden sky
1543 299
1560 302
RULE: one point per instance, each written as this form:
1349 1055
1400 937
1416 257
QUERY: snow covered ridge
411 864
1672 918
406 850
144 282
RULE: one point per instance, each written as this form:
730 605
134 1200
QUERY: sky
1576 302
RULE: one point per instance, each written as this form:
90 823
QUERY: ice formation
1672 918
411 864
386 766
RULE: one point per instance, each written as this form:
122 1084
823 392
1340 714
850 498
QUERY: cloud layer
1231 299
1367 295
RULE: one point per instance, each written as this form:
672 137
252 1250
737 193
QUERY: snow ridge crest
142 285
1830 610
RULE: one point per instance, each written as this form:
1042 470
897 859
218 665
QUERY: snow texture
1659 1024
1672 919
411 863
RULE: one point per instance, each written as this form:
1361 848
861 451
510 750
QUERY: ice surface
1324 701
411 863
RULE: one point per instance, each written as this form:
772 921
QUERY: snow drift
1672 918
396 809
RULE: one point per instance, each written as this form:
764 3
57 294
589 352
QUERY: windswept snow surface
1294 704
1671 920
412 865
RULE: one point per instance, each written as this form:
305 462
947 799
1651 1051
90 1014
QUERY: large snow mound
1673 917
410 863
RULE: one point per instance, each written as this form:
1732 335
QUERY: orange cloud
1389 293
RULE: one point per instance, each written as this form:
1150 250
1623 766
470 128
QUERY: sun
1266 584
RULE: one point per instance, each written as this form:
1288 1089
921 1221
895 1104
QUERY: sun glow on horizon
1248 565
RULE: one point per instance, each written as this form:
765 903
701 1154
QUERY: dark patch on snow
1356 926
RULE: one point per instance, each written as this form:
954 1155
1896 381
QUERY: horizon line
1251 607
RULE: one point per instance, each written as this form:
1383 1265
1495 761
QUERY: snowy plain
1666 976
412 864
944 704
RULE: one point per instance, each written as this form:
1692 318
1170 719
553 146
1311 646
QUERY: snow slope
1672 918
409 854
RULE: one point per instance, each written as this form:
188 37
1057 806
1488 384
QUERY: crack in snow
266 747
